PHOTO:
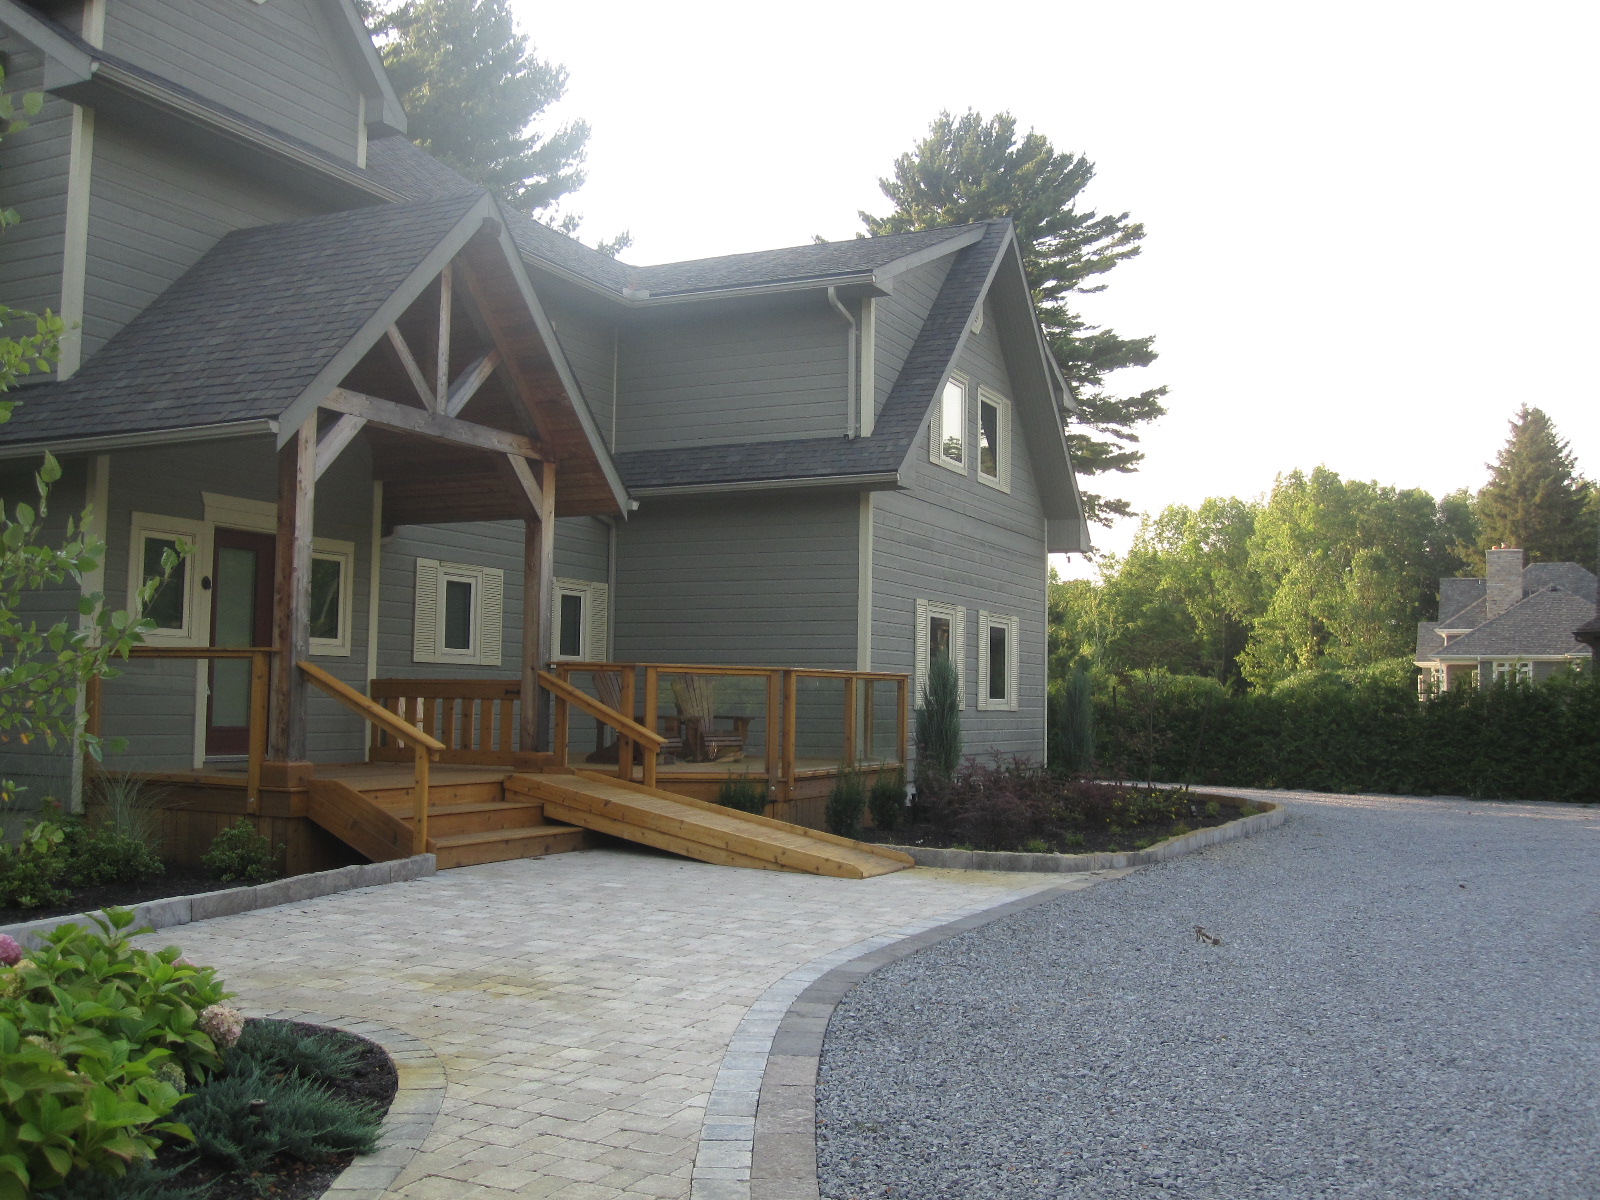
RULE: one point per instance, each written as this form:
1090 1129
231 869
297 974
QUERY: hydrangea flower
222 1024
10 951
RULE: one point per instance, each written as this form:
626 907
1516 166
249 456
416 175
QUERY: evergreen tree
968 169
1535 497
472 89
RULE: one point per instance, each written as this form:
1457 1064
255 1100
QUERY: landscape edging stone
202 906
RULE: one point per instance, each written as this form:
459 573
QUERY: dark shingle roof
1539 625
246 330
1456 592
1568 576
1429 643
1469 617
893 432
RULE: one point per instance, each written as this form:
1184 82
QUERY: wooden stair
699 830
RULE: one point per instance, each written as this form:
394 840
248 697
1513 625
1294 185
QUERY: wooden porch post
291 594
538 567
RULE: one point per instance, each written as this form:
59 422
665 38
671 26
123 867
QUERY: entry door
241 615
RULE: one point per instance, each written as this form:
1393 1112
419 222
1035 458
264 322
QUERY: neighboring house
292 328
1516 620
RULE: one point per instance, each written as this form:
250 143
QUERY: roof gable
1540 625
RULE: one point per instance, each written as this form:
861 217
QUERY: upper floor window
994 439
947 444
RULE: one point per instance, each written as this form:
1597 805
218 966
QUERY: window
331 573
941 630
1522 670
994 440
581 621
459 611
947 444
998 660
174 608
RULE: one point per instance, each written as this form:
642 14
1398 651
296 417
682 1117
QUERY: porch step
446 820
400 800
533 841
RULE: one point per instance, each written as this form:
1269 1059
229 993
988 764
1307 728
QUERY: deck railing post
563 717
902 734
774 726
625 744
652 718
849 720
260 691
419 832
791 697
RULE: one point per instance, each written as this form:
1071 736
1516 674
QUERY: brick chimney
1504 573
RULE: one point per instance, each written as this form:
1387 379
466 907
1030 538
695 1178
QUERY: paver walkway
581 1004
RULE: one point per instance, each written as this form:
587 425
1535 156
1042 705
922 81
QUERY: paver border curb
759 1140
410 1117
1172 847
201 906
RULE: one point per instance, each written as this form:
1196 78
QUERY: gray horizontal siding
153 212
952 539
275 62
899 318
588 344
33 180
762 581
740 377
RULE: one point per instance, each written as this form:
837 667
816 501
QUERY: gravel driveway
1405 1003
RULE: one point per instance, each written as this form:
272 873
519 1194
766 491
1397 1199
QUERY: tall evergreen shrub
1072 722
938 727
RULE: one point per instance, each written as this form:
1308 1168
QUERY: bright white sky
1371 226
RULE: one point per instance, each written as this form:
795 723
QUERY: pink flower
10 951
221 1024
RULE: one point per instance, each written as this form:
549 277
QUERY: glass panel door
241 615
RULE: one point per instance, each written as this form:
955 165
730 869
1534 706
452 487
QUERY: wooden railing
475 720
260 681
424 746
630 733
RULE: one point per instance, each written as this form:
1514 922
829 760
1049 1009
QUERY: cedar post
538 564
291 593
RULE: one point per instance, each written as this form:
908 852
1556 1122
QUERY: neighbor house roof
1540 625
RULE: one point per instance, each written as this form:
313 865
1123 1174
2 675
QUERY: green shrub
144 1180
96 1038
33 868
105 854
743 793
247 1118
887 799
240 853
279 1048
846 803
1071 729
938 728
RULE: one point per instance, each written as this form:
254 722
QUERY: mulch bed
372 1081
1093 840
178 881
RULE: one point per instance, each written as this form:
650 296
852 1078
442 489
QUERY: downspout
849 363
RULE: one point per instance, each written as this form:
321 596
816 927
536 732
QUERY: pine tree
472 89
968 169
1535 497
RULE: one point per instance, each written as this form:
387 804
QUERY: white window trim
936 426
986 622
595 628
488 613
343 553
1002 406
1521 667
196 612
957 616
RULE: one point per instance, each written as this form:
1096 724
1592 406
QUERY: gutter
849 362
877 480
128 441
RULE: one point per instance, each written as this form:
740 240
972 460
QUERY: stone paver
589 1010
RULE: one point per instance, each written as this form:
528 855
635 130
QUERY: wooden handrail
424 745
390 723
624 725
199 651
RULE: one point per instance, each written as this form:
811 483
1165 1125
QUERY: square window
177 609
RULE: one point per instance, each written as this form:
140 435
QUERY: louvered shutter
1005 444
919 674
984 621
425 627
936 427
958 650
599 615
1014 653
491 615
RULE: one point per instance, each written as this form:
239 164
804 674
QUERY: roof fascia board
1501 657
810 283
353 351
127 441
874 481
71 63
363 55
569 381
886 274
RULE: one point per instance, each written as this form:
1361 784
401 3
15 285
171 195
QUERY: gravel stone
1405 1003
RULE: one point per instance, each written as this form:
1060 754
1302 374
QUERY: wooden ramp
695 829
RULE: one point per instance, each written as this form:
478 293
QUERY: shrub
887 799
279 1048
743 793
144 1180
938 729
1071 731
33 868
96 1037
105 854
846 803
240 853
249 1117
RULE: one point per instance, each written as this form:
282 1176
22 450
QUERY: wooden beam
441 373
291 594
409 362
524 487
437 426
521 384
538 560
473 378
332 443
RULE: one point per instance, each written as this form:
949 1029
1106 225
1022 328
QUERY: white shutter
599 614
984 621
1004 448
919 673
936 428
491 615
425 626
958 650
1014 653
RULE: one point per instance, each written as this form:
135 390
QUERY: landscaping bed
173 881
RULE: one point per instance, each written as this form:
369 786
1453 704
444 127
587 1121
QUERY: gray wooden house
707 517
